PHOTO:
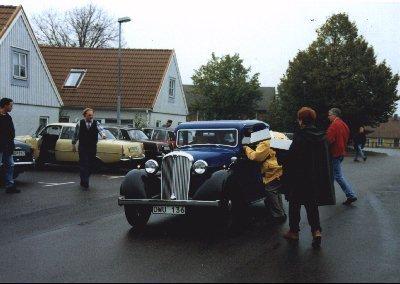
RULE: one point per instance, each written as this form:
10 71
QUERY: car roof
64 124
216 124
121 127
160 128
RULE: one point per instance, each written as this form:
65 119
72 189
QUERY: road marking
113 177
50 184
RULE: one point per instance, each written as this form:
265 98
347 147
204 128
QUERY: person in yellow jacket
272 173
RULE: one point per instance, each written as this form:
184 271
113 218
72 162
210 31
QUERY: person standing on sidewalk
360 139
7 135
308 176
87 132
338 136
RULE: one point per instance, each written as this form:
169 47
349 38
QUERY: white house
24 76
151 84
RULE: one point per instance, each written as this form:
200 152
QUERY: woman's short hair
307 115
86 110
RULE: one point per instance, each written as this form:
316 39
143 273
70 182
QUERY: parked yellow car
53 144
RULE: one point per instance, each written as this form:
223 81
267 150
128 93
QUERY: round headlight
151 167
200 167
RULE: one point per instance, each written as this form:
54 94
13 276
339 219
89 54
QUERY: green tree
339 69
226 89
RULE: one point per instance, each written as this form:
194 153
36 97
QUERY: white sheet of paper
280 144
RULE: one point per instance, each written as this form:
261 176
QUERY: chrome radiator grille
175 176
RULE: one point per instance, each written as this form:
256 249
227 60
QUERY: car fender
137 184
214 188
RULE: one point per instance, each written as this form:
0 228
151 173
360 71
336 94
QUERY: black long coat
7 134
308 169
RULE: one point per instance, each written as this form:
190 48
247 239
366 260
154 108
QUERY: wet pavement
55 232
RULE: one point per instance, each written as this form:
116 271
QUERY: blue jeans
359 152
338 176
7 161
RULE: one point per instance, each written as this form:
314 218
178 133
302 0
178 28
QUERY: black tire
133 187
137 217
100 166
231 218
39 163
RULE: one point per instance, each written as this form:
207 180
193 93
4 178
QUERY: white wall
163 104
26 117
76 114
39 90
154 117
38 97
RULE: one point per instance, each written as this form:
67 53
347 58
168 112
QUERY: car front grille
175 176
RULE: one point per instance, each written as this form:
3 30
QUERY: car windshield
159 135
219 137
148 132
136 134
109 135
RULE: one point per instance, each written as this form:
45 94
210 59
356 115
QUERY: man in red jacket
338 136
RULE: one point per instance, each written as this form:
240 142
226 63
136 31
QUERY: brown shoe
317 239
291 236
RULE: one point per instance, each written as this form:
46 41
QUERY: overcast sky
266 34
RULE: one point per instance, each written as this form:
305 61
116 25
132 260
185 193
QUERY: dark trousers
273 200
312 216
87 162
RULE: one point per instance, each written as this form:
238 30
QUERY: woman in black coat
308 176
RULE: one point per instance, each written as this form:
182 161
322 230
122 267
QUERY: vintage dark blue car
208 169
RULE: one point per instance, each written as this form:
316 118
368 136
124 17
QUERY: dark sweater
7 134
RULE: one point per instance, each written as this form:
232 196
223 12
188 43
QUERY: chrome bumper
158 202
24 163
130 159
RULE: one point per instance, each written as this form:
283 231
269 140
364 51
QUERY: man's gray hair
336 112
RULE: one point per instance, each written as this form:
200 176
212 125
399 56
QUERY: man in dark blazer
87 132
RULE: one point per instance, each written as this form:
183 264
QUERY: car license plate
19 154
167 148
172 210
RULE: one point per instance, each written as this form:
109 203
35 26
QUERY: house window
64 119
74 78
20 65
380 142
111 121
43 121
171 92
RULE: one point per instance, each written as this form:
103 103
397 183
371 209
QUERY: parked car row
123 146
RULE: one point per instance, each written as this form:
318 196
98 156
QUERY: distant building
151 84
387 135
267 94
24 76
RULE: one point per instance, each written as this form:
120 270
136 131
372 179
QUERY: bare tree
87 26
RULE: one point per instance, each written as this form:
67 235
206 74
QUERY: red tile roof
388 130
7 15
143 72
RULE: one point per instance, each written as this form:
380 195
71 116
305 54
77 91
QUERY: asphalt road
55 232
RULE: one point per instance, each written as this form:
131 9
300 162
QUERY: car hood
215 157
21 145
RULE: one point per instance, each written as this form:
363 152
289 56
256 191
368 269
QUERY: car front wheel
137 217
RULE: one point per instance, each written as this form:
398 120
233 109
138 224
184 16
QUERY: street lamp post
120 22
